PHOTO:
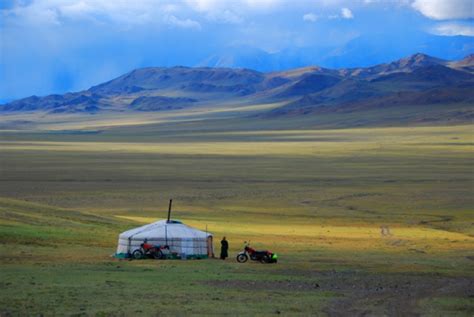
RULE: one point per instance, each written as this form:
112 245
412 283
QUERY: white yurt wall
182 239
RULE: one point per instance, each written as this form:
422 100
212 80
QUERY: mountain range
417 80
362 51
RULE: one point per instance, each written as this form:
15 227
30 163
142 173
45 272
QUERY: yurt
183 240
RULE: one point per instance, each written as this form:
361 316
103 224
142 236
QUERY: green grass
453 306
316 197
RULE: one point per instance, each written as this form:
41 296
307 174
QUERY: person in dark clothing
224 248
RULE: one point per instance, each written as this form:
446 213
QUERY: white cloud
453 29
44 16
183 23
346 13
262 4
231 11
310 17
445 9
205 5
123 12
243 5
225 16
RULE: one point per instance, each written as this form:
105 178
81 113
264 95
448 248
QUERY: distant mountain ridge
362 51
418 79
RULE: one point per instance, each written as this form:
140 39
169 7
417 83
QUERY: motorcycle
254 255
148 250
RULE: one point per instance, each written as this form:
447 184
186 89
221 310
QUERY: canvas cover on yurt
183 240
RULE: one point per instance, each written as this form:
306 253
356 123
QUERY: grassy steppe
316 197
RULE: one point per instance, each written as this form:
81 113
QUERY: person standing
224 248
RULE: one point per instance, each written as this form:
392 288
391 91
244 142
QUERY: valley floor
366 221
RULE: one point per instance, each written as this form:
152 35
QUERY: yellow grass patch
200 148
327 143
109 120
336 237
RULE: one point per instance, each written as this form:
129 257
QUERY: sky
56 46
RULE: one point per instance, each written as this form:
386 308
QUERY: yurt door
210 249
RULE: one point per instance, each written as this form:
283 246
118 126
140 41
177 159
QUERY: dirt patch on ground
390 294
286 285
364 294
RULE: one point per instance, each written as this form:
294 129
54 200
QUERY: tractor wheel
137 254
242 258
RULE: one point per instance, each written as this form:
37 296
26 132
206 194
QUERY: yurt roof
172 229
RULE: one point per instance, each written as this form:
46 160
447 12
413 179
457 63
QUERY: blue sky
54 46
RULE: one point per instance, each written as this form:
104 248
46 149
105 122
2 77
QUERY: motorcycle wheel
157 255
137 254
242 258
267 259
